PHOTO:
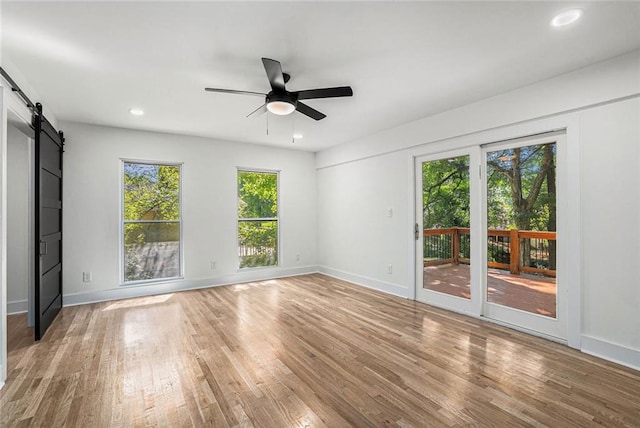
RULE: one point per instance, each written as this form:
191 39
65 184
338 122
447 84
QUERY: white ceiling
92 61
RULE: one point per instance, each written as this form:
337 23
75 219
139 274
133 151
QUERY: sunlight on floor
246 285
143 301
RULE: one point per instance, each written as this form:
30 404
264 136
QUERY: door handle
43 252
417 231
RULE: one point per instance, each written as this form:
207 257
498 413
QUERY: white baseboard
385 287
125 292
610 351
17 307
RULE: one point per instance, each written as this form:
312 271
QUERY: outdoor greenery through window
521 195
446 218
257 218
151 221
521 223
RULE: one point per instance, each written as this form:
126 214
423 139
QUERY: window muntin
257 218
151 221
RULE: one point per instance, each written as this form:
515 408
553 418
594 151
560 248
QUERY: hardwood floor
302 352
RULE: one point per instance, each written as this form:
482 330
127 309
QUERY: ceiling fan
282 102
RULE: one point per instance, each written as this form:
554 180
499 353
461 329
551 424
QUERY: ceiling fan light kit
282 102
281 108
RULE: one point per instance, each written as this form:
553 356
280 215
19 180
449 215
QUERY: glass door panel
443 230
521 228
445 214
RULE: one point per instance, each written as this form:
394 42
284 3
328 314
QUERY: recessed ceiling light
297 136
136 111
566 17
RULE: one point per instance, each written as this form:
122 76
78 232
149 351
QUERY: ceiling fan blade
311 112
260 110
341 91
274 73
231 91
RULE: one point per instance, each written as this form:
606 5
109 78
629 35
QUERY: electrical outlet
390 269
297 257
213 265
390 212
87 277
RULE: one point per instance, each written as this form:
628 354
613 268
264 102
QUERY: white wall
92 208
355 233
17 220
358 181
611 222
613 79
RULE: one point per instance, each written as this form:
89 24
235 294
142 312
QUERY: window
257 218
151 221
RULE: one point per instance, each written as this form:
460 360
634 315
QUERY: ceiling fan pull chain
267 123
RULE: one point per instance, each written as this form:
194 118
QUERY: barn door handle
43 252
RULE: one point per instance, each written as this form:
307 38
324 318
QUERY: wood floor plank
308 351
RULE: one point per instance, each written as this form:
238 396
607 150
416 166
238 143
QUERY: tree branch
547 161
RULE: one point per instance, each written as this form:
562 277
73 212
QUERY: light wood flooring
309 351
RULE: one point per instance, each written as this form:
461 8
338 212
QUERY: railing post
455 245
514 250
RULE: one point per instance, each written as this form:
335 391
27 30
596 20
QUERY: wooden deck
529 293
307 351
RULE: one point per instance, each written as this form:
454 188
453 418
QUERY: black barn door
48 223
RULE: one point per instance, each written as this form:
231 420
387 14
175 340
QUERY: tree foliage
529 175
257 194
258 201
151 193
445 193
517 196
520 194
520 190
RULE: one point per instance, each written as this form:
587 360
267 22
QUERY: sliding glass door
489 230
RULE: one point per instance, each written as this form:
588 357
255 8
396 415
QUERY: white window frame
180 275
276 218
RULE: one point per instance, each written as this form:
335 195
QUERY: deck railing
514 250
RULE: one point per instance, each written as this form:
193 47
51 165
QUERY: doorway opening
20 235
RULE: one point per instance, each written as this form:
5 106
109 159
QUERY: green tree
257 213
257 194
445 193
523 172
151 193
